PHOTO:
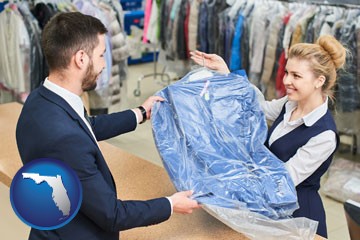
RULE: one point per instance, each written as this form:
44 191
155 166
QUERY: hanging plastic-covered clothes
210 133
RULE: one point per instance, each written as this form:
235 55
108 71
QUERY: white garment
15 52
259 36
309 157
193 25
298 11
153 26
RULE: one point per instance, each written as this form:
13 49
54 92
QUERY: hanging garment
174 16
280 88
348 92
274 28
15 53
43 12
235 60
180 28
193 25
164 22
214 7
220 48
202 27
258 39
186 30
358 54
152 28
36 54
301 25
210 133
107 90
147 14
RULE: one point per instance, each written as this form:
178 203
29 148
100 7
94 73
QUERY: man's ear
81 59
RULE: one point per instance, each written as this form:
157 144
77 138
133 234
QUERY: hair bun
334 48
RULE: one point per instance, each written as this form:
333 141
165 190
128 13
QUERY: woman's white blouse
309 157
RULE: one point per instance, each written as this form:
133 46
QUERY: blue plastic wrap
210 133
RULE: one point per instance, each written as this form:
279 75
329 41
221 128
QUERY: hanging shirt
210 132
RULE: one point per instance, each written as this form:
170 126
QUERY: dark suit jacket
49 128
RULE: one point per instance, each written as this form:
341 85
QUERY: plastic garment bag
210 133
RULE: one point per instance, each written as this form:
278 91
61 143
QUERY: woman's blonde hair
326 56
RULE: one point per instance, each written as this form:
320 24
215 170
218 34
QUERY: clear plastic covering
210 133
343 180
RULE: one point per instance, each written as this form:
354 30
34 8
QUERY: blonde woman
303 134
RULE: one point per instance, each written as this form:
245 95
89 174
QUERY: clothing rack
154 74
150 16
109 92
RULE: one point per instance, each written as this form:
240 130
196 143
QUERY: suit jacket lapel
56 99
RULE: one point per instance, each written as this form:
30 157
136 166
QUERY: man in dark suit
54 124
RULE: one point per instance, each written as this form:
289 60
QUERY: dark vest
310 204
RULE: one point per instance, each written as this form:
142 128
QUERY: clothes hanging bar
343 3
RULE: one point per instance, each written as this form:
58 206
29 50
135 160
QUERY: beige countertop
135 178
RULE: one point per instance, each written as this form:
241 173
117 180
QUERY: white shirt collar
71 98
311 117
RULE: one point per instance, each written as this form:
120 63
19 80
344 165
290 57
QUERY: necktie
87 116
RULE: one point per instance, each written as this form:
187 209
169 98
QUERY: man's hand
212 61
149 103
182 203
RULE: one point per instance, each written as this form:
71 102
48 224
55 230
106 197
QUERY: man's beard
89 81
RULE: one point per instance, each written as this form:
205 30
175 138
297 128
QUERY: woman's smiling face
300 81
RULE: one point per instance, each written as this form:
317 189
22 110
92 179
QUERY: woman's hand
212 61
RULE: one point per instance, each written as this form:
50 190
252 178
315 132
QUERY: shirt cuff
171 205
136 115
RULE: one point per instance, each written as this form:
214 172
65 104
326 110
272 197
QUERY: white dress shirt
309 157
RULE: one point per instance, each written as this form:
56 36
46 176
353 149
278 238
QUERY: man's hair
67 33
